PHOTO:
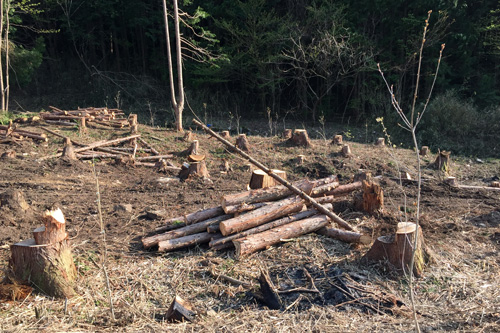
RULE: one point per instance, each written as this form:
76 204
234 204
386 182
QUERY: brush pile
253 220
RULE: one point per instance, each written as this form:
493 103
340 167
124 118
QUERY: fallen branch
290 186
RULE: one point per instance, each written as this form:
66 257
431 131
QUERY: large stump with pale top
45 261
397 249
261 179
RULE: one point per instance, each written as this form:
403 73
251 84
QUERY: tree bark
380 142
180 311
260 241
262 215
397 249
270 193
346 151
198 169
226 242
300 138
260 179
69 150
181 221
442 161
373 197
179 243
287 134
243 143
337 140
46 261
344 235
424 150
184 231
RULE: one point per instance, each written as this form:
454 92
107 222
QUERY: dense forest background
311 61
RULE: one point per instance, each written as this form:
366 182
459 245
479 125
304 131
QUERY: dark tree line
311 59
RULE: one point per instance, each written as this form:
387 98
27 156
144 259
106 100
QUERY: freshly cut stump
194 148
198 169
68 150
373 197
287 134
337 140
397 249
300 138
46 261
260 179
442 161
380 142
180 310
242 143
346 151
424 151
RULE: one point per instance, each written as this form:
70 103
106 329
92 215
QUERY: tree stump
189 136
68 150
452 181
132 120
380 142
337 140
346 151
242 143
287 134
225 166
424 151
194 149
362 175
372 200
196 169
300 138
82 125
45 261
8 154
260 179
397 249
300 159
225 135
180 310
442 161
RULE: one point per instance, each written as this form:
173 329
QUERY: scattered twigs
233 281
311 289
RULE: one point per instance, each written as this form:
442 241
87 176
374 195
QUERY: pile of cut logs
12 132
113 118
256 219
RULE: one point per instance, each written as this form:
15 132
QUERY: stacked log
142 154
19 134
83 117
256 219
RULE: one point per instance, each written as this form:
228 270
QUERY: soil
459 291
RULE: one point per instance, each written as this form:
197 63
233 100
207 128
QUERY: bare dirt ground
459 292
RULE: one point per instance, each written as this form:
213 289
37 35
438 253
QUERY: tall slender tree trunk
177 102
1 64
7 59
